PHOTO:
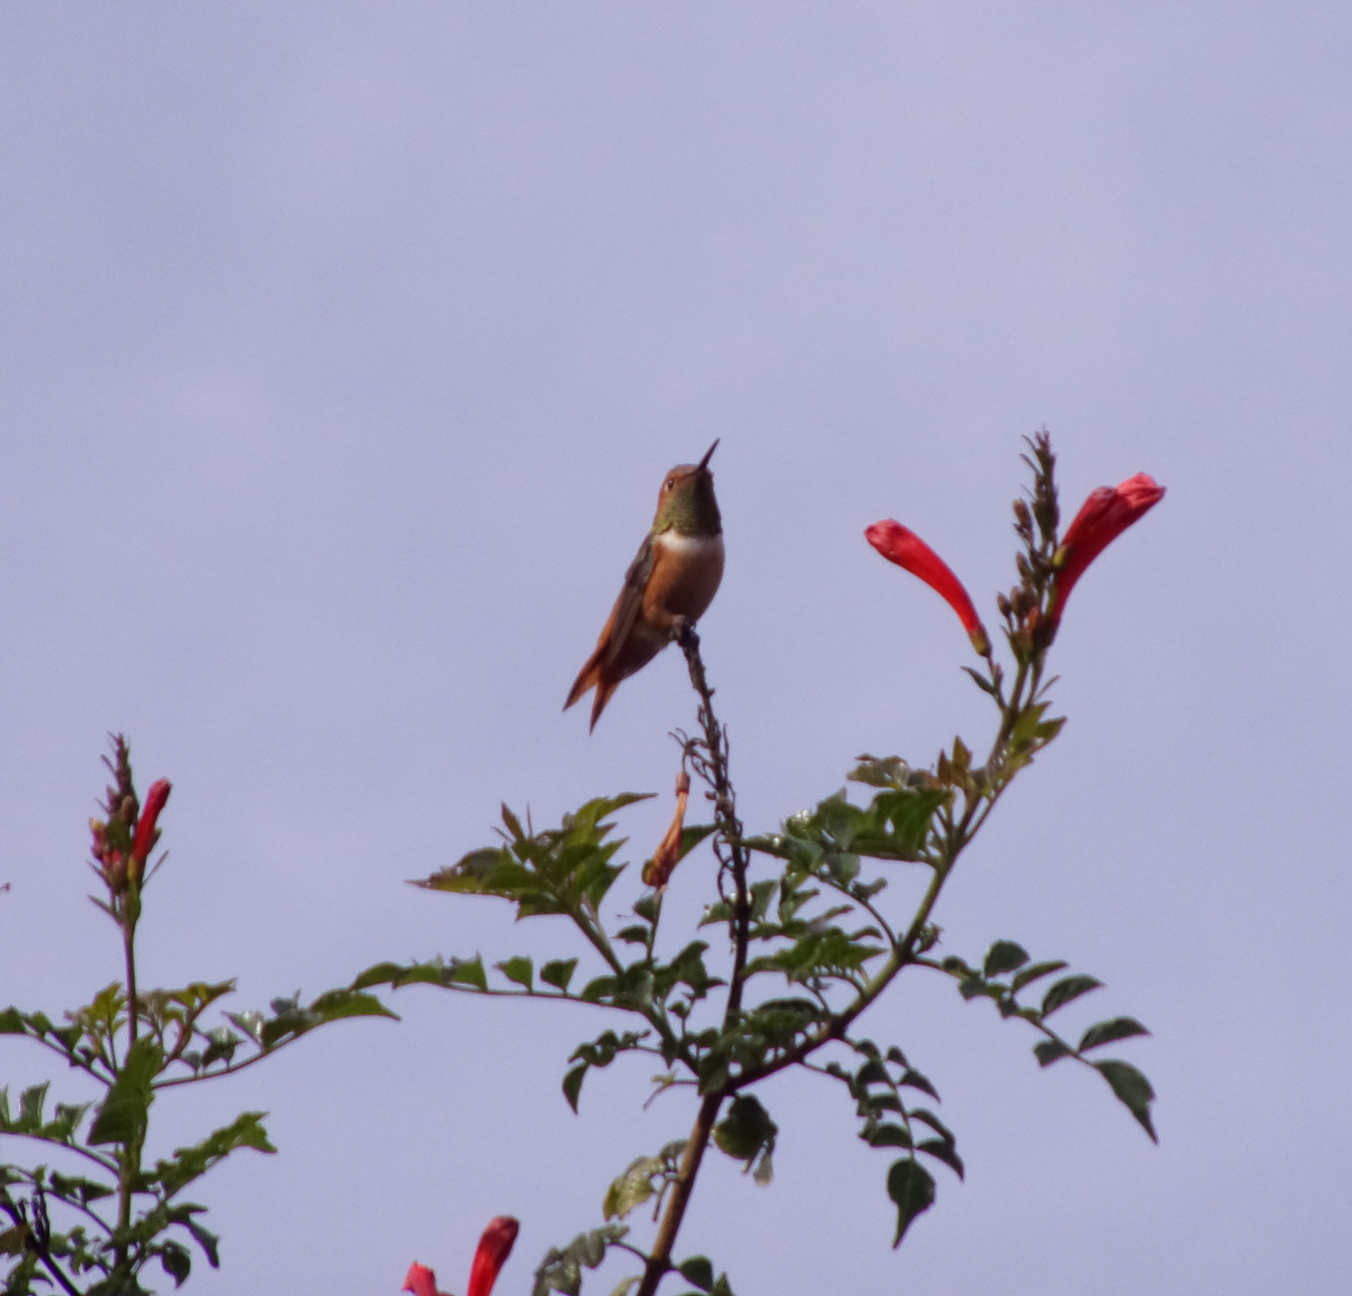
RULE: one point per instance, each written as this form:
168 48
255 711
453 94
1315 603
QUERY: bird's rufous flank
671 582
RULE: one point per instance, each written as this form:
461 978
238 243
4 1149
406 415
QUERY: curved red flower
899 545
1107 512
494 1247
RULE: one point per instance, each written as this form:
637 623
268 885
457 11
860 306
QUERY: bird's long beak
708 454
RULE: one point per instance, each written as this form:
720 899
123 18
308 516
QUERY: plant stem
659 1262
712 766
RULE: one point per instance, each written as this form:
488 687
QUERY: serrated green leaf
558 972
1132 1089
1105 1032
1004 956
1067 989
911 1188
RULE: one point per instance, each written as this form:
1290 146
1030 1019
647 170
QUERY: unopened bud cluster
123 841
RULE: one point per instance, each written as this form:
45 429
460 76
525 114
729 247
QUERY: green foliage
560 871
1127 1083
101 1230
561 1270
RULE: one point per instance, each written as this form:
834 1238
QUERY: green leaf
123 1115
560 1270
468 972
746 1129
945 1151
1105 1032
929 1118
632 1188
176 1260
31 1102
334 1005
572 1084
698 1271
1050 1050
887 1135
555 871
918 1081
519 969
1030 974
189 1163
77 1189
1004 956
558 972
911 1188
1132 1089
1067 989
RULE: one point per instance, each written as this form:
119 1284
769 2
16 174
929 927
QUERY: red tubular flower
908 550
146 832
1107 512
657 872
494 1248
421 1281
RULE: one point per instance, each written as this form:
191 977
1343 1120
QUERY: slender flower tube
1107 512
668 852
908 550
146 832
494 1247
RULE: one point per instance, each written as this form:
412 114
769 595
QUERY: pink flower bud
908 550
146 832
494 1247
1107 512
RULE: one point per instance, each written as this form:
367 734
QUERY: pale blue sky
342 350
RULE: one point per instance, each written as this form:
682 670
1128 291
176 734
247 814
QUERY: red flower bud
494 1248
908 550
146 833
421 1281
1107 512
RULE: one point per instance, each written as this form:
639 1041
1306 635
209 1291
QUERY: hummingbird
671 582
